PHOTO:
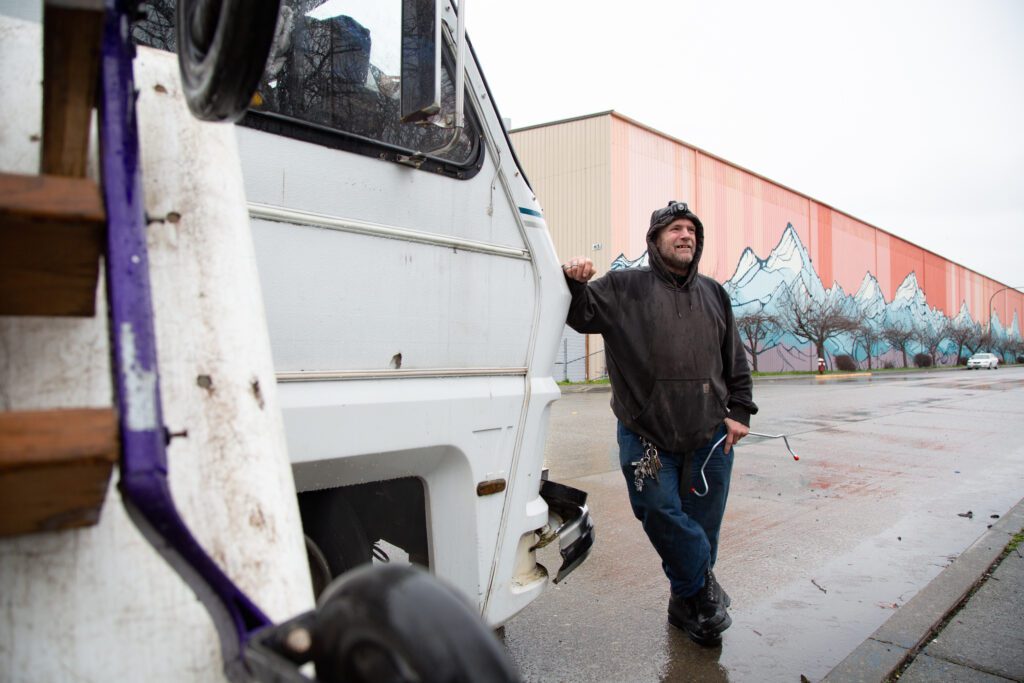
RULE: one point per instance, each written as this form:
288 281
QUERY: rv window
334 73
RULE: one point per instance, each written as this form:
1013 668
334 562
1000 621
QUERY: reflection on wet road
816 554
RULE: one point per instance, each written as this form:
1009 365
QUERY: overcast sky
906 114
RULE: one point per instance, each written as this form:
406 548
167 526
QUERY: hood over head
661 218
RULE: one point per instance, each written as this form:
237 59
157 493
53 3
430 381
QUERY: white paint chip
140 399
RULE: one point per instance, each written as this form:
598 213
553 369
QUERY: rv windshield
335 64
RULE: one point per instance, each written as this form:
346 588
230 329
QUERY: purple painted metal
143 480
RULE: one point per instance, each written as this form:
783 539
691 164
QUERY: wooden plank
52 231
71 48
55 466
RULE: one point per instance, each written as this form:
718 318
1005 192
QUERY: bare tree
156 25
869 337
898 336
963 334
754 329
1001 345
1016 349
930 338
815 321
983 342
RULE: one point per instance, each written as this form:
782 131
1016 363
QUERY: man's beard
676 261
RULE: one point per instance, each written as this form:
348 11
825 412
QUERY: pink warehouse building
598 177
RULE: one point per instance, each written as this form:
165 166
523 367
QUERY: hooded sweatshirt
674 356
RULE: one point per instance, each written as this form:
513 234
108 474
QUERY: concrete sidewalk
966 625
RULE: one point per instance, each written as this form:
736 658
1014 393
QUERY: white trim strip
338 375
282 215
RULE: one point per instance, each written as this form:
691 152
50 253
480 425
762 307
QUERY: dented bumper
568 523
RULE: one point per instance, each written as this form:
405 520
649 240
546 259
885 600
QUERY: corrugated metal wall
599 177
740 210
643 167
569 167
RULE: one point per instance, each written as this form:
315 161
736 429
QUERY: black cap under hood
661 218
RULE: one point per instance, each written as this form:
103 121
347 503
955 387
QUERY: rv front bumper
569 523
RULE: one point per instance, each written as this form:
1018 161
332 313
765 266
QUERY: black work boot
701 616
724 597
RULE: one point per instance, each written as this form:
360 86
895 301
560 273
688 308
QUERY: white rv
413 304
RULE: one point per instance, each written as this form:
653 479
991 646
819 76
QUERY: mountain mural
764 285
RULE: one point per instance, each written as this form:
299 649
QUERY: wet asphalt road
815 554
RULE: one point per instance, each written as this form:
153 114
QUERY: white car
983 360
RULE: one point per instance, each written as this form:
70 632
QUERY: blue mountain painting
765 284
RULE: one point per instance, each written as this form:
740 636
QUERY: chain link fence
571 361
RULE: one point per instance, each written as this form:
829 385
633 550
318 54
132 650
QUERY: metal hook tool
707 488
777 436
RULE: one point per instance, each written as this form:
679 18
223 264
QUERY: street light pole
990 300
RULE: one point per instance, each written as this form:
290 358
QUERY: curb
583 388
885 650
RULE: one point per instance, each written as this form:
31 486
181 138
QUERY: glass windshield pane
336 64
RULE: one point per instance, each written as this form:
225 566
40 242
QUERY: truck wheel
335 538
399 623
222 52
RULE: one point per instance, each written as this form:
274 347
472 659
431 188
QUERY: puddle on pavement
809 625
696 663
985 386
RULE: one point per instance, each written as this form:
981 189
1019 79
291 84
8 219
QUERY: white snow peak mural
769 285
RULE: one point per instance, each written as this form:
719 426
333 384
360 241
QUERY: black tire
398 623
336 534
222 51
319 570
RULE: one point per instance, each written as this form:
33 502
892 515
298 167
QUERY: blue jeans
681 526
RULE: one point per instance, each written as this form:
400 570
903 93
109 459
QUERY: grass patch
913 369
567 382
785 373
859 370
795 373
1015 542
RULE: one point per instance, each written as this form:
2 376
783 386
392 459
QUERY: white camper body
413 308
414 317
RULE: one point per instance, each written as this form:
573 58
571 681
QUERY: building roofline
572 119
671 138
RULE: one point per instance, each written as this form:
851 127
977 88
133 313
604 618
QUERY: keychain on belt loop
718 443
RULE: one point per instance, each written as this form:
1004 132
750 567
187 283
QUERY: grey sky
906 114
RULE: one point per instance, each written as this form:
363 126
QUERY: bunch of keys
647 466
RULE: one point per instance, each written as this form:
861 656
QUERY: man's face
677 243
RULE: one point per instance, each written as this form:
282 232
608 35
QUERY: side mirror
421 65
421 59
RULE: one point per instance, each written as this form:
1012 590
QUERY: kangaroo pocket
681 414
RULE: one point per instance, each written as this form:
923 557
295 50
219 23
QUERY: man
680 383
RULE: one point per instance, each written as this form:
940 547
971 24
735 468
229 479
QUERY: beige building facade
598 177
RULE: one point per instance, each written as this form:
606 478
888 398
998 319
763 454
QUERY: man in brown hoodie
680 385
